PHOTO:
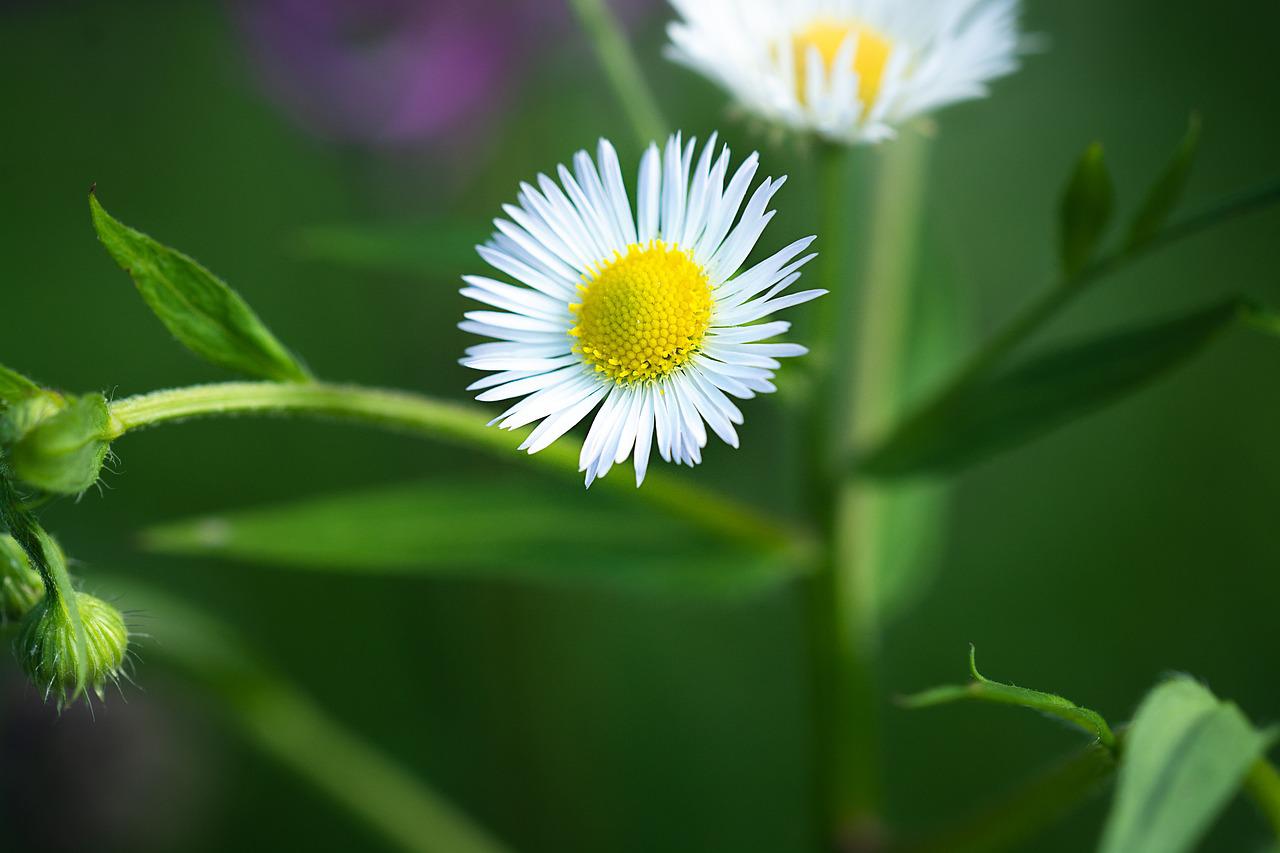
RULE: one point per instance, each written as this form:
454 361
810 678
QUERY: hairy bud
49 646
59 444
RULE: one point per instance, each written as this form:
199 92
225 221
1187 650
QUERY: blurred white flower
848 70
643 314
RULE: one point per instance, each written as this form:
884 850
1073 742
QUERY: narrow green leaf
431 249
1085 210
513 529
983 689
14 386
1050 390
1185 755
1166 192
292 729
202 312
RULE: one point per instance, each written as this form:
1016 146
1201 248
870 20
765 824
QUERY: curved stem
1043 309
447 421
620 66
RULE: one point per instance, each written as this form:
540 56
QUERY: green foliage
1086 208
983 689
1026 401
430 249
1166 192
63 451
202 312
289 727
510 528
14 386
1185 755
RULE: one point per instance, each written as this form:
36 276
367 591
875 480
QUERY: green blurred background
1138 541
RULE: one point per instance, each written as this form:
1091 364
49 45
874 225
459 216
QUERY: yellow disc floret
870 57
642 314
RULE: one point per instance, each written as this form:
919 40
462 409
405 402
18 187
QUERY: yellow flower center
643 314
827 35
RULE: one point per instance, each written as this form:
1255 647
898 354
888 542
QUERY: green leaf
983 689
63 452
1165 193
1185 755
1085 211
432 249
1050 390
509 529
14 386
289 727
205 315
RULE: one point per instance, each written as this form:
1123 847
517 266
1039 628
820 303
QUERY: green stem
1263 787
620 66
457 423
861 334
1039 312
291 728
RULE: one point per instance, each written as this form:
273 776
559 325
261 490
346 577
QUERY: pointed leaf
526 530
202 312
1050 390
983 689
14 386
1185 755
1086 210
1165 193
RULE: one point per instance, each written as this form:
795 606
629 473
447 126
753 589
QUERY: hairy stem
456 423
620 66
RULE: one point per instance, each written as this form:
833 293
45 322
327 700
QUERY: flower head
643 313
847 70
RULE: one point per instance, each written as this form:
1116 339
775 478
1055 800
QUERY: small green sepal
1086 209
61 444
14 387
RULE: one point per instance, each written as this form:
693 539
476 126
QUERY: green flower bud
48 646
20 586
22 414
60 450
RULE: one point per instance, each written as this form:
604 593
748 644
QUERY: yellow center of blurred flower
870 56
643 314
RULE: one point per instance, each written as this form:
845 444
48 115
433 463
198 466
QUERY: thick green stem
620 66
1038 313
860 347
457 423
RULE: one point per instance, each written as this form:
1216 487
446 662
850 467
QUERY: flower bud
20 586
49 648
59 444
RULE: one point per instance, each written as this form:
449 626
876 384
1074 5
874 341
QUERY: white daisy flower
848 70
642 314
